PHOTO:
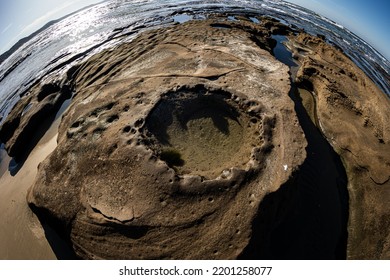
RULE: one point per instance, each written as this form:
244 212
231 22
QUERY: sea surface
105 25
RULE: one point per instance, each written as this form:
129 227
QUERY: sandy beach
21 234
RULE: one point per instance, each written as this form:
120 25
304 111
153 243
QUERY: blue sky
369 19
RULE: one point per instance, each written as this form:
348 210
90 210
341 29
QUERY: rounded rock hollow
204 132
170 152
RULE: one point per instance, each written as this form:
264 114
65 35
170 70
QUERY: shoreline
27 226
22 235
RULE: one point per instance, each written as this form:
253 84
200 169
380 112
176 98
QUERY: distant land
22 41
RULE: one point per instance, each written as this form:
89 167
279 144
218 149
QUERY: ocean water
105 25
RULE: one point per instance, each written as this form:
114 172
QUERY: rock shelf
171 142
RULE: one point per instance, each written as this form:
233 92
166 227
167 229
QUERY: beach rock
352 114
32 113
175 144
170 144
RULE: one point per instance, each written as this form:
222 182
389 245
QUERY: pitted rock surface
184 142
170 144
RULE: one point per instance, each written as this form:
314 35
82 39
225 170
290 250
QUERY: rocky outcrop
352 113
184 144
20 131
170 144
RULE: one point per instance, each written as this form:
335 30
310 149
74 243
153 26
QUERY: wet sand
21 233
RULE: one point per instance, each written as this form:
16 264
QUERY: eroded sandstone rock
39 106
352 114
172 141
170 144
